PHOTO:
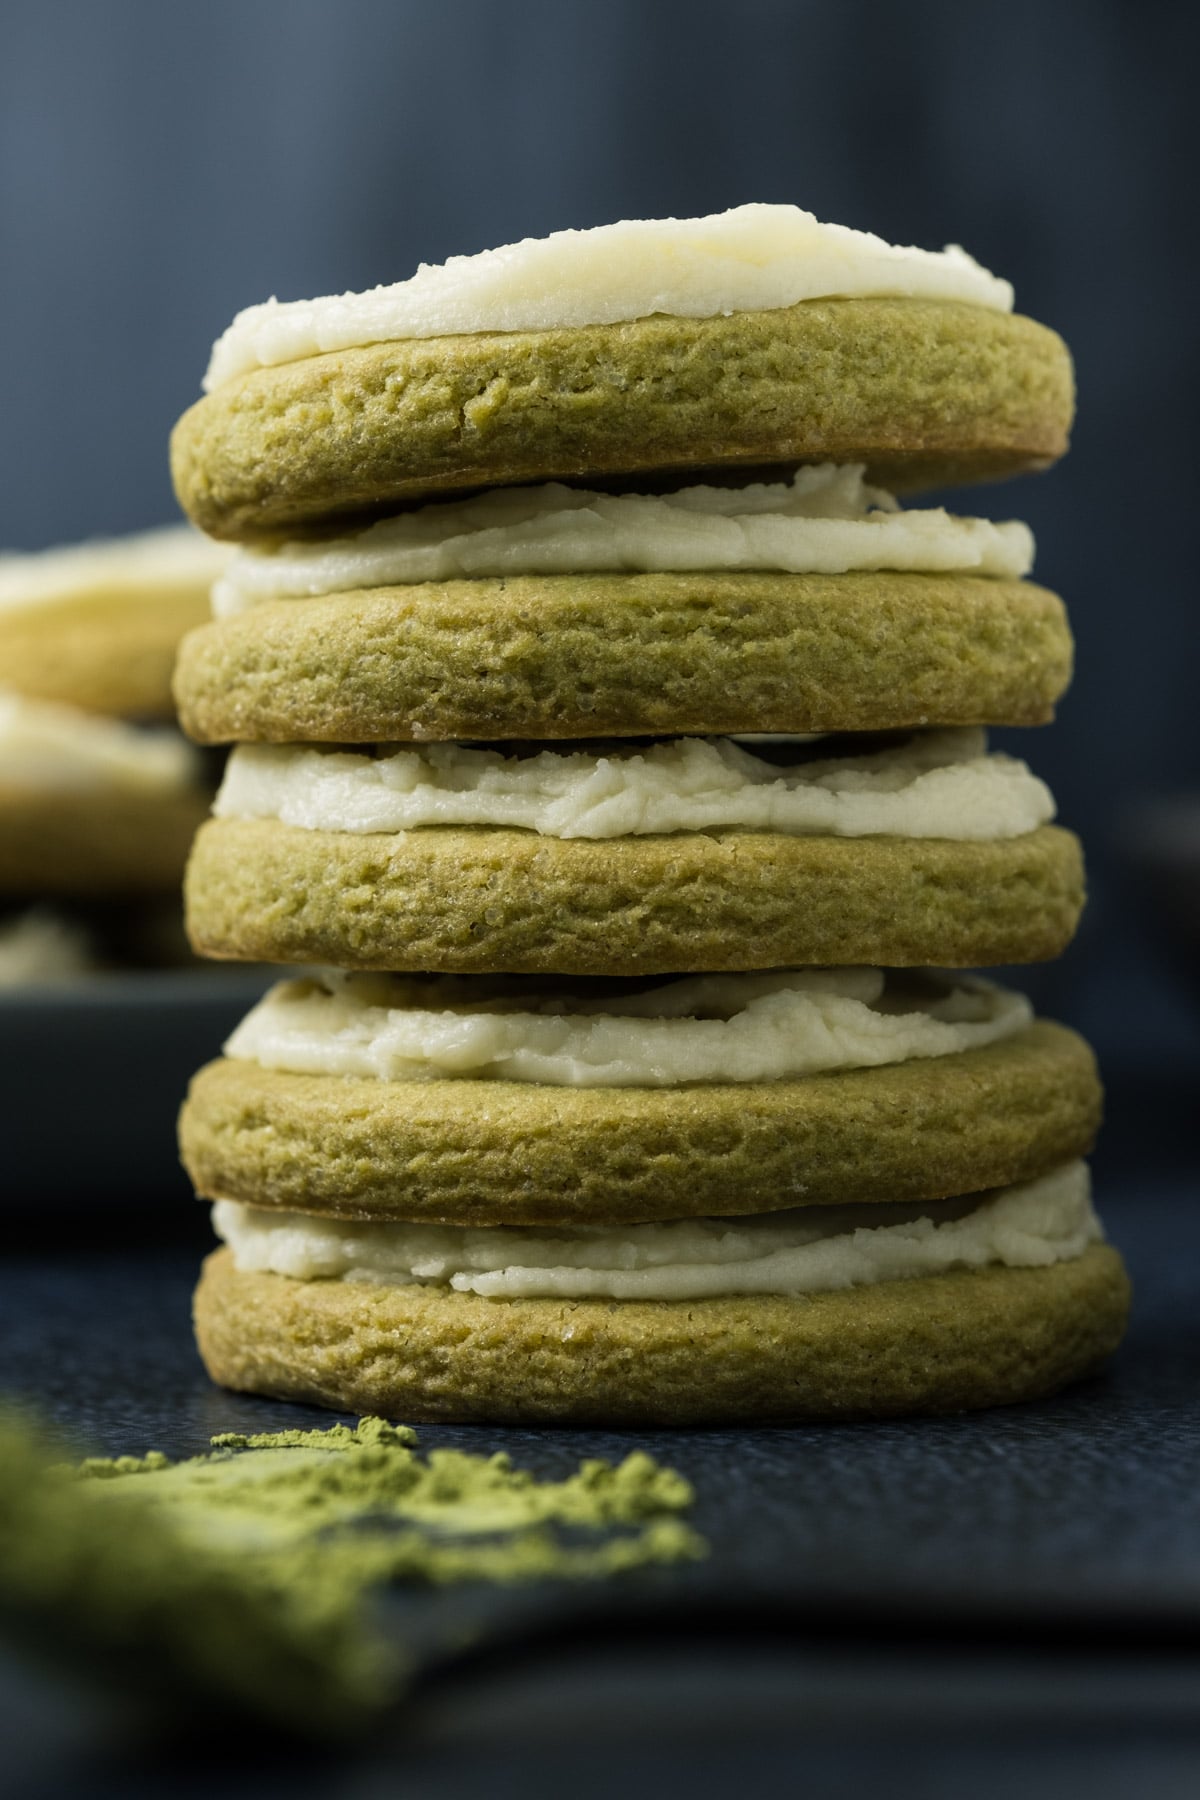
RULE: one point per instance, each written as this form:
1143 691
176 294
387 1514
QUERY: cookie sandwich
99 794
627 806
756 338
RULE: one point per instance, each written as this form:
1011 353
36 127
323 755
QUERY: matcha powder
251 1568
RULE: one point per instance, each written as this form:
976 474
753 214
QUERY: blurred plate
94 1072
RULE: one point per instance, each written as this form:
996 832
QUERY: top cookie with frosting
651 348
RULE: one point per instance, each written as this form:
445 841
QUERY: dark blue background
162 165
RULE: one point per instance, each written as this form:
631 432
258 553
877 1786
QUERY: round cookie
95 625
471 900
112 652
83 842
940 1343
562 656
924 392
515 1153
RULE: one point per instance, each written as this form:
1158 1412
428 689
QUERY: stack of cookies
96 809
611 742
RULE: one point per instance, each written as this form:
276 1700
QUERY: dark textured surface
1089 1501
981 1601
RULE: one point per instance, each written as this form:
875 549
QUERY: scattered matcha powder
251 1567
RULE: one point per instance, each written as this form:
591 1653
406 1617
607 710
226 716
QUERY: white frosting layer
149 565
939 784
38 946
805 1251
826 521
707 1028
751 259
48 748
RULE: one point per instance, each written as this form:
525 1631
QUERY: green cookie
940 1343
924 392
475 899
515 1153
565 656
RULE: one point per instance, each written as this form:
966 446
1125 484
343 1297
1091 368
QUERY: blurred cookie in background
92 807
96 625
99 796
39 945
55 943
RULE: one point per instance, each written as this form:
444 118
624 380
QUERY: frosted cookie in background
98 795
92 807
96 625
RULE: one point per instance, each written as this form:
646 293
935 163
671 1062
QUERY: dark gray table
925 1606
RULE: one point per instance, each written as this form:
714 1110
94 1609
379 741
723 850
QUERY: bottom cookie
941 1343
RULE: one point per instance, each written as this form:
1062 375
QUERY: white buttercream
751 259
940 784
804 1251
707 1028
47 747
825 521
149 565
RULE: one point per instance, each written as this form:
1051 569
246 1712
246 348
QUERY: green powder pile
248 1571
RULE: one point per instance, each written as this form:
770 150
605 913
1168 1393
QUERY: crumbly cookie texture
560 656
943 1343
483 1153
923 392
81 842
470 900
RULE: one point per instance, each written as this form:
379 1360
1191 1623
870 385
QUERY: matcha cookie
925 392
474 899
84 843
503 1152
108 655
559 726
561 656
940 1343
96 625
